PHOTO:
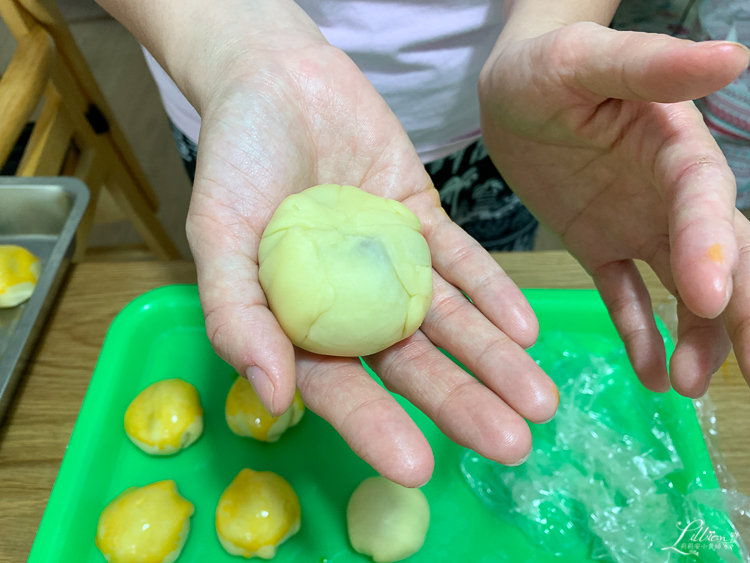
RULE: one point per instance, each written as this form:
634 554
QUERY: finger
454 324
737 314
702 344
367 417
464 409
241 328
644 66
699 190
629 304
464 263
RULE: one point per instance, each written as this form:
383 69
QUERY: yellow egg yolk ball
165 417
19 272
246 415
257 512
145 525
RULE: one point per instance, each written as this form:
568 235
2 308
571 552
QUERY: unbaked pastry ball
386 521
246 415
145 525
257 512
346 273
165 417
19 272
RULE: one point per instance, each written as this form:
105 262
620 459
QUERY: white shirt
422 56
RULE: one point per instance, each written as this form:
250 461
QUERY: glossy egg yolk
246 415
257 512
165 417
19 272
145 525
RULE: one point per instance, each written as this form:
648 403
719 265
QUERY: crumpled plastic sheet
592 488
736 503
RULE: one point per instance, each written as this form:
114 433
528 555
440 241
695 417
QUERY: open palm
309 117
591 129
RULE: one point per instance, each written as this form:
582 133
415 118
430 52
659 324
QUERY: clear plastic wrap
605 479
736 503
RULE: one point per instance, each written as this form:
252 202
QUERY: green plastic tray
161 334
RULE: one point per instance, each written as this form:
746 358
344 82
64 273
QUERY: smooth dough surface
346 273
386 521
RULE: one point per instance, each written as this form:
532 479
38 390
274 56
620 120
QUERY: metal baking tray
42 215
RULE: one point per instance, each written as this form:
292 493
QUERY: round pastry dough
246 415
19 272
257 512
386 521
145 525
345 272
165 417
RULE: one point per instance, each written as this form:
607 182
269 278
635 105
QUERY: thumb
645 66
241 328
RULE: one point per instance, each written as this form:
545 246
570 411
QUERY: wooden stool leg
50 140
48 15
22 85
140 213
105 157
90 170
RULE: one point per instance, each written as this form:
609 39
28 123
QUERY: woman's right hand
282 110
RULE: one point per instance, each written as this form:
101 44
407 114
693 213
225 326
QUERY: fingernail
262 385
423 484
528 455
726 45
738 44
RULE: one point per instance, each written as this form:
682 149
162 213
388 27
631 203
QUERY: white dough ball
386 521
346 273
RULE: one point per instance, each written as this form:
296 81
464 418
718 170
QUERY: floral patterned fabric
727 112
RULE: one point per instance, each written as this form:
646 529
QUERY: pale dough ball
345 272
386 521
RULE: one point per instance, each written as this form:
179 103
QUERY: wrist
203 45
528 19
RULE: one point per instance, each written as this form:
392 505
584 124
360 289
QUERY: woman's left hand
594 130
